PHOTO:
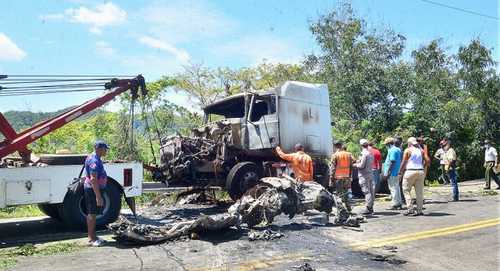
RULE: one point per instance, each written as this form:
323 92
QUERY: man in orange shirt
301 162
341 173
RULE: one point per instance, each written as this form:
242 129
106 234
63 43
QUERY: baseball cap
412 140
100 144
363 142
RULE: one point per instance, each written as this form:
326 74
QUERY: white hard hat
363 142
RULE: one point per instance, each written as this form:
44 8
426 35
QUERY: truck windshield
231 107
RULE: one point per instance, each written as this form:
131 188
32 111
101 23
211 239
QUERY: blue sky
159 37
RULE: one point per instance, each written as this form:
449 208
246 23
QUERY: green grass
9 257
20 211
433 183
489 193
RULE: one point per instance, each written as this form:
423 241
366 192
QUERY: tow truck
44 180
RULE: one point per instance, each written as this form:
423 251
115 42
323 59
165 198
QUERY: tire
50 210
63 159
73 210
242 177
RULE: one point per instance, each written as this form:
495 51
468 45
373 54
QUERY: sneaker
486 188
96 243
397 207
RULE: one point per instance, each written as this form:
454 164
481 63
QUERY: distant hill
21 120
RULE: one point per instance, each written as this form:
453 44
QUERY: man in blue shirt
94 185
391 170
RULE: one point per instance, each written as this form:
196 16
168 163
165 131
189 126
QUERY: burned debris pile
271 197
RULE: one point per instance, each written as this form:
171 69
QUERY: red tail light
127 177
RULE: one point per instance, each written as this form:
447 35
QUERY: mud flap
131 204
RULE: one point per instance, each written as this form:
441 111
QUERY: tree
360 65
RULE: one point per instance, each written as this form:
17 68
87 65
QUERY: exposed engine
188 158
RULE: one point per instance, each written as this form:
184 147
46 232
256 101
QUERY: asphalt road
451 236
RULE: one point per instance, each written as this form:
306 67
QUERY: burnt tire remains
242 177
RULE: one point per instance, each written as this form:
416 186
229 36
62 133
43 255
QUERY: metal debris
265 235
304 267
271 197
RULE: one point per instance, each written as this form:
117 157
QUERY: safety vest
342 165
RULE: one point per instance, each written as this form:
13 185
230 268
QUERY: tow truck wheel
73 211
242 177
50 210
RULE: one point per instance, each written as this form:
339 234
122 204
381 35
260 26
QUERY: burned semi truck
235 146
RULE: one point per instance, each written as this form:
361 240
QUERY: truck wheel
74 211
50 210
242 177
63 159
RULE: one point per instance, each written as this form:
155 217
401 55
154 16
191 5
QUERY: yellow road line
257 264
425 234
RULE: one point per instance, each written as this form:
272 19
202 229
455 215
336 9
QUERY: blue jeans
453 179
376 179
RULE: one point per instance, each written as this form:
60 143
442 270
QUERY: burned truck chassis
209 159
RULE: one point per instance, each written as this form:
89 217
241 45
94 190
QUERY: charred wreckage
234 149
270 197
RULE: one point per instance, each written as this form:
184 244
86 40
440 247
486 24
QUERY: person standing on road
340 175
490 162
302 165
377 160
93 187
413 172
398 142
365 176
439 155
391 171
423 147
450 164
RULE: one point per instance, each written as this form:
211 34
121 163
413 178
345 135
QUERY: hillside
23 119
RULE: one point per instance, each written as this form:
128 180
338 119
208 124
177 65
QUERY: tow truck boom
19 141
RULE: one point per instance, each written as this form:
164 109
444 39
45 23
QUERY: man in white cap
365 176
413 172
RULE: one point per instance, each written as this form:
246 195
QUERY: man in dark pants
490 162
95 183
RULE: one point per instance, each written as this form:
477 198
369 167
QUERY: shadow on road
468 200
40 230
438 214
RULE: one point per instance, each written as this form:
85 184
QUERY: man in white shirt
439 155
490 162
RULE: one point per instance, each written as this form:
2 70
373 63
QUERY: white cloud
9 51
179 54
102 15
255 49
185 21
103 48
